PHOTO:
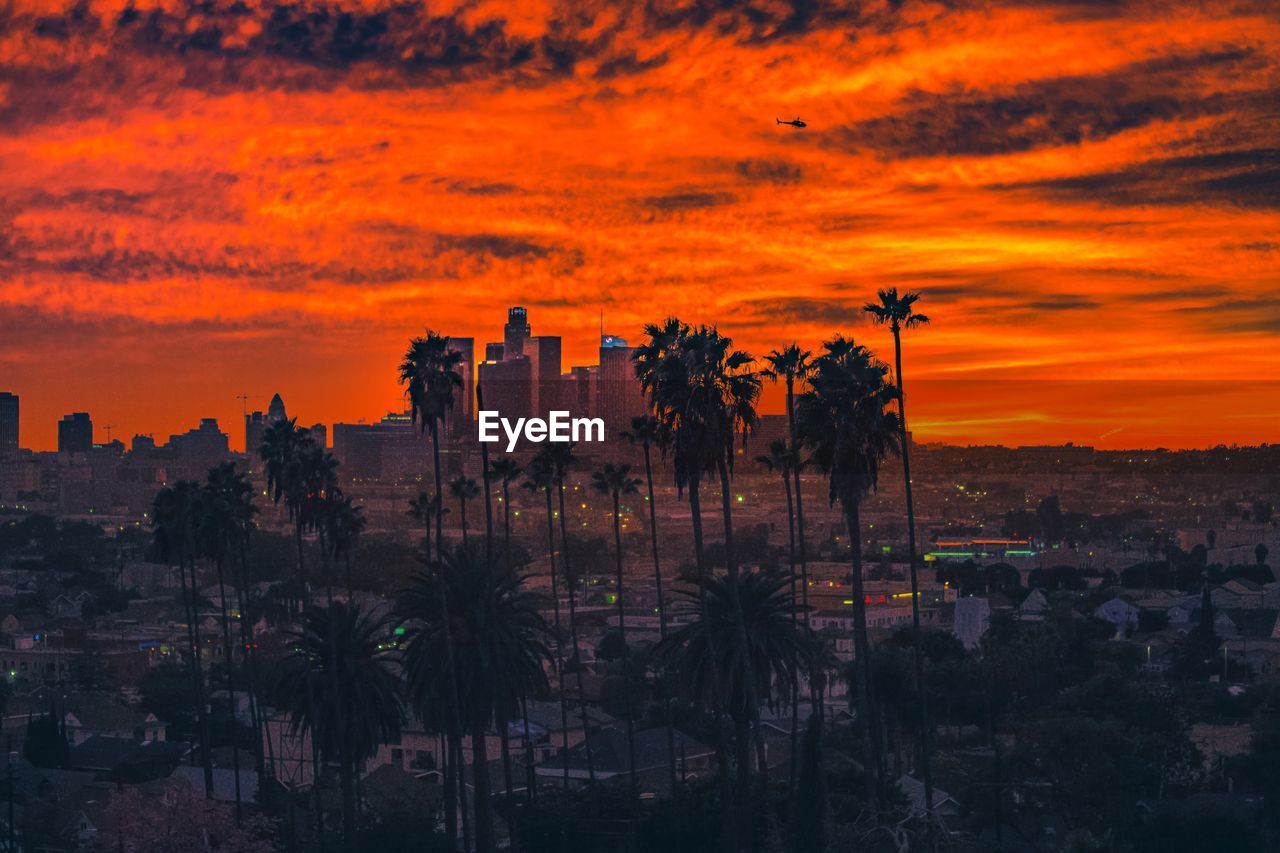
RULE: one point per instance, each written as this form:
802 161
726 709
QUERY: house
1034 607
609 755
972 618
224 782
1118 612
944 805
90 715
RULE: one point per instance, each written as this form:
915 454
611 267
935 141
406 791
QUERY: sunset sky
203 199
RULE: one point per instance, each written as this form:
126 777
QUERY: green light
740 498
399 632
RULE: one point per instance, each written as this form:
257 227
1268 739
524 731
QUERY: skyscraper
75 433
256 423
464 405
620 396
544 372
515 333
508 387
8 423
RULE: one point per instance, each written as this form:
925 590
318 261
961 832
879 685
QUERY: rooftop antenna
244 401
109 427
601 324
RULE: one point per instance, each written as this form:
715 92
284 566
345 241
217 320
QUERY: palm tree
430 375
423 509
648 432
791 365
346 522
505 470
173 516
285 446
706 392
300 473
560 455
541 478
847 421
429 372
898 313
219 528
244 513
464 489
780 459
616 481
497 636
348 655
702 653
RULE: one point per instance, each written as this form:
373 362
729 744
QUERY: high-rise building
256 423
493 351
199 449
75 433
392 450
275 411
8 423
515 333
544 371
620 398
320 433
464 405
508 387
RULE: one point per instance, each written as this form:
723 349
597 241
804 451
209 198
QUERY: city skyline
1124 414
203 205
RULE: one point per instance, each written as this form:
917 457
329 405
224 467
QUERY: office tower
493 351
320 433
464 404
620 397
275 411
544 369
508 387
515 333
390 451
75 433
581 390
197 450
255 424
8 423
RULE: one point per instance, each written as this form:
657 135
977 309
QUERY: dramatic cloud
199 200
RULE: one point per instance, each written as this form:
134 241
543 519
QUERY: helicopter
796 122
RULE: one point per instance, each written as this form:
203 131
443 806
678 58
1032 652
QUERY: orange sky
259 197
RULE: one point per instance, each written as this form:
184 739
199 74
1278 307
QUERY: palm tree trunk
462 502
626 652
729 825
559 663
662 607
794 759
193 635
570 582
531 790
251 664
504 744
231 686
861 646
480 773
926 728
815 698
346 769
452 792
740 630
506 520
